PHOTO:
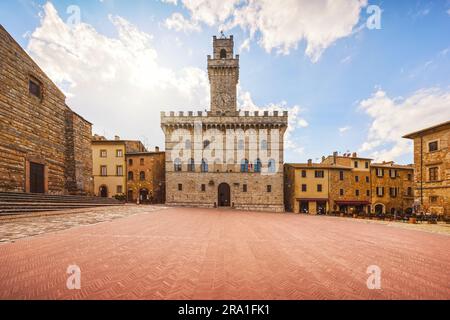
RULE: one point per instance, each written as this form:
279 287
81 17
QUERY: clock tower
223 72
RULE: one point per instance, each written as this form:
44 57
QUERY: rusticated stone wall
38 129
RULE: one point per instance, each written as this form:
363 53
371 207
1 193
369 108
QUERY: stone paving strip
14 227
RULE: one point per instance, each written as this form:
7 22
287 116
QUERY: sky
355 75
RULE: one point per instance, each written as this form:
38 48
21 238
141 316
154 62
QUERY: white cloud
344 129
116 83
178 23
245 46
296 121
347 59
282 25
174 2
392 118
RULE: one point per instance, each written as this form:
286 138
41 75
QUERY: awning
312 199
352 203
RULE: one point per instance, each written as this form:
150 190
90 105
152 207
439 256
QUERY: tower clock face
223 99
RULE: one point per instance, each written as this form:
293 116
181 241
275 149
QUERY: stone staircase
19 203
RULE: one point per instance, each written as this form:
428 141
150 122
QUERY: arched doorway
143 195
379 209
104 191
224 195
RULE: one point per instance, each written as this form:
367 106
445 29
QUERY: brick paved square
184 253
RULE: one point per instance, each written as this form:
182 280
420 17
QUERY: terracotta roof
424 131
393 165
317 166
144 153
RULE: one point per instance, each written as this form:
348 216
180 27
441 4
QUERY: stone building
392 187
225 157
44 145
432 168
109 164
146 176
349 184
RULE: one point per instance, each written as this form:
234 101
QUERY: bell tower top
223 47
223 72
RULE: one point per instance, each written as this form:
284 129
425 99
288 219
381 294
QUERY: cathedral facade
225 157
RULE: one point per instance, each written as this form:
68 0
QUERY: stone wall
256 198
423 160
401 182
33 129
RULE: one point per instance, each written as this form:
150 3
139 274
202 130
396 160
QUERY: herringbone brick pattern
213 254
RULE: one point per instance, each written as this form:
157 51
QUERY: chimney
309 162
117 138
335 154
354 155
156 149
323 158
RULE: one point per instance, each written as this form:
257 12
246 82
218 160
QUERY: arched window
142 175
187 144
223 54
206 144
130 176
191 165
271 166
258 165
204 165
241 144
177 165
263 144
244 165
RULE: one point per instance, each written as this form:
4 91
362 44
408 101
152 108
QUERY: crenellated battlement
199 114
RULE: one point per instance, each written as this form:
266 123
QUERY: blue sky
361 92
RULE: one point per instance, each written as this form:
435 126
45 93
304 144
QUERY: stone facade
432 169
225 157
38 129
392 187
146 177
348 184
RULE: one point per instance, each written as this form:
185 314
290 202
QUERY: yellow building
306 187
109 165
